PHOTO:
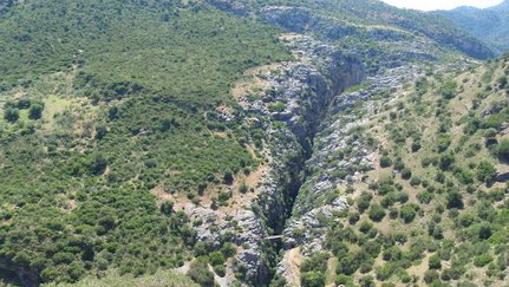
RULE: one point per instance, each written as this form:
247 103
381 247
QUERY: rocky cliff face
306 89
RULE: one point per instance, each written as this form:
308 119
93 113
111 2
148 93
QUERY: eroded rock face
303 90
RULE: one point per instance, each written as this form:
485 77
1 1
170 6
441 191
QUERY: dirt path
292 260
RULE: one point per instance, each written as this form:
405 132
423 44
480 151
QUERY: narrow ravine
306 89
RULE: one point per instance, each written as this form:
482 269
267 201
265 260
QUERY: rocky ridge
409 33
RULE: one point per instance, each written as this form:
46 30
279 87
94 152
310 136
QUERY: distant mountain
377 21
490 25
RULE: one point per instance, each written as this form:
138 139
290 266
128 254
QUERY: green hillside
434 210
372 22
128 91
164 143
490 24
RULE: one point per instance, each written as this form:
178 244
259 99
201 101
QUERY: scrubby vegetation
434 210
159 279
123 102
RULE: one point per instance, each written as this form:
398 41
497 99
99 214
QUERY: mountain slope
101 102
407 186
373 19
491 25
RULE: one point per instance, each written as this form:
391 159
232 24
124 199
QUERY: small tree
448 90
385 161
216 258
199 273
454 200
486 172
408 212
363 201
167 208
243 188
228 177
406 173
416 146
35 111
11 115
376 213
312 279
435 262
430 276
502 82
503 150
485 232
98 164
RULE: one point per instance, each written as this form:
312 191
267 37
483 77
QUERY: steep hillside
101 102
365 23
409 187
491 25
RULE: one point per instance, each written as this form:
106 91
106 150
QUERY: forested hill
101 101
491 25
337 19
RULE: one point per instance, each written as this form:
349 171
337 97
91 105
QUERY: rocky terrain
309 120
290 111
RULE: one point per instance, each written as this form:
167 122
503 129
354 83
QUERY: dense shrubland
76 185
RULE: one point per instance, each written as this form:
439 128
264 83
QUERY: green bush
482 260
167 208
406 173
317 263
11 115
243 188
486 172
35 111
228 177
485 232
503 150
216 258
228 250
312 279
365 227
199 273
408 212
430 276
435 262
448 90
376 213
220 270
446 161
347 265
363 201
344 280
385 161
454 200
416 146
